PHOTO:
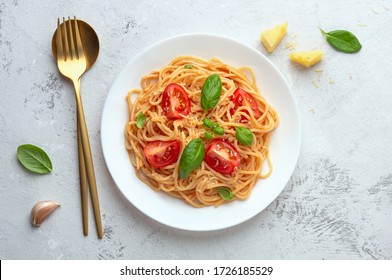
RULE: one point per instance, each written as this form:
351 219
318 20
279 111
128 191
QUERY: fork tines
67 35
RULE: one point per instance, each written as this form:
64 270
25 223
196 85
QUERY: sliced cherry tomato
222 156
241 98
175 102
162 153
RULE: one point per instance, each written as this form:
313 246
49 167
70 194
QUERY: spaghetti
201 187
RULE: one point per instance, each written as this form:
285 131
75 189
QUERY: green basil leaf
244 135
208 135
214 125
343 40
211 92
225 193
188 66
207 122
34 159
191 157
218 130
140 120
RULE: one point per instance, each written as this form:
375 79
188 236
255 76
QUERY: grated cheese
315 84
291 45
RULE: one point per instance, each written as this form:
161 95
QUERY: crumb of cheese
362 24
315 84
319 72
291 45
308 58
272 37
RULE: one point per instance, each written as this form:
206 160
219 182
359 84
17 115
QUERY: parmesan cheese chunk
308 58
272 37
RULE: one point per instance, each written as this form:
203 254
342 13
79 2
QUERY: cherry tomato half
162 153
222 156
242 98
175 102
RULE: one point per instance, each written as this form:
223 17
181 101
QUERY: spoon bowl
90 42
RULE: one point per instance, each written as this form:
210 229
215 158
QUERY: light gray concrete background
338 203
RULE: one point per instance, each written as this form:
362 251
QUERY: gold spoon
91 48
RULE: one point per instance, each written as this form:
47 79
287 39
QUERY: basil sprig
34 159
140 120
244 135
207 123
343 40
225 193
208 135
211 92
213 126
218 130
191 157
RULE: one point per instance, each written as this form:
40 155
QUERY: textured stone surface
338 203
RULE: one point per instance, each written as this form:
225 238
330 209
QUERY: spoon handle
83 182
88 159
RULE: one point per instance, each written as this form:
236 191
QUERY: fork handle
83 182
88 159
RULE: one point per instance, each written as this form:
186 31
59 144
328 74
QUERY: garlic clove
42 210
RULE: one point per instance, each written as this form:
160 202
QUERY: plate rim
232 40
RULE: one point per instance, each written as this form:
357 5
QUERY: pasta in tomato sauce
162 130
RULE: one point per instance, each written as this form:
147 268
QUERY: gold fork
72 63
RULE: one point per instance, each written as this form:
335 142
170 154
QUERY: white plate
284 147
